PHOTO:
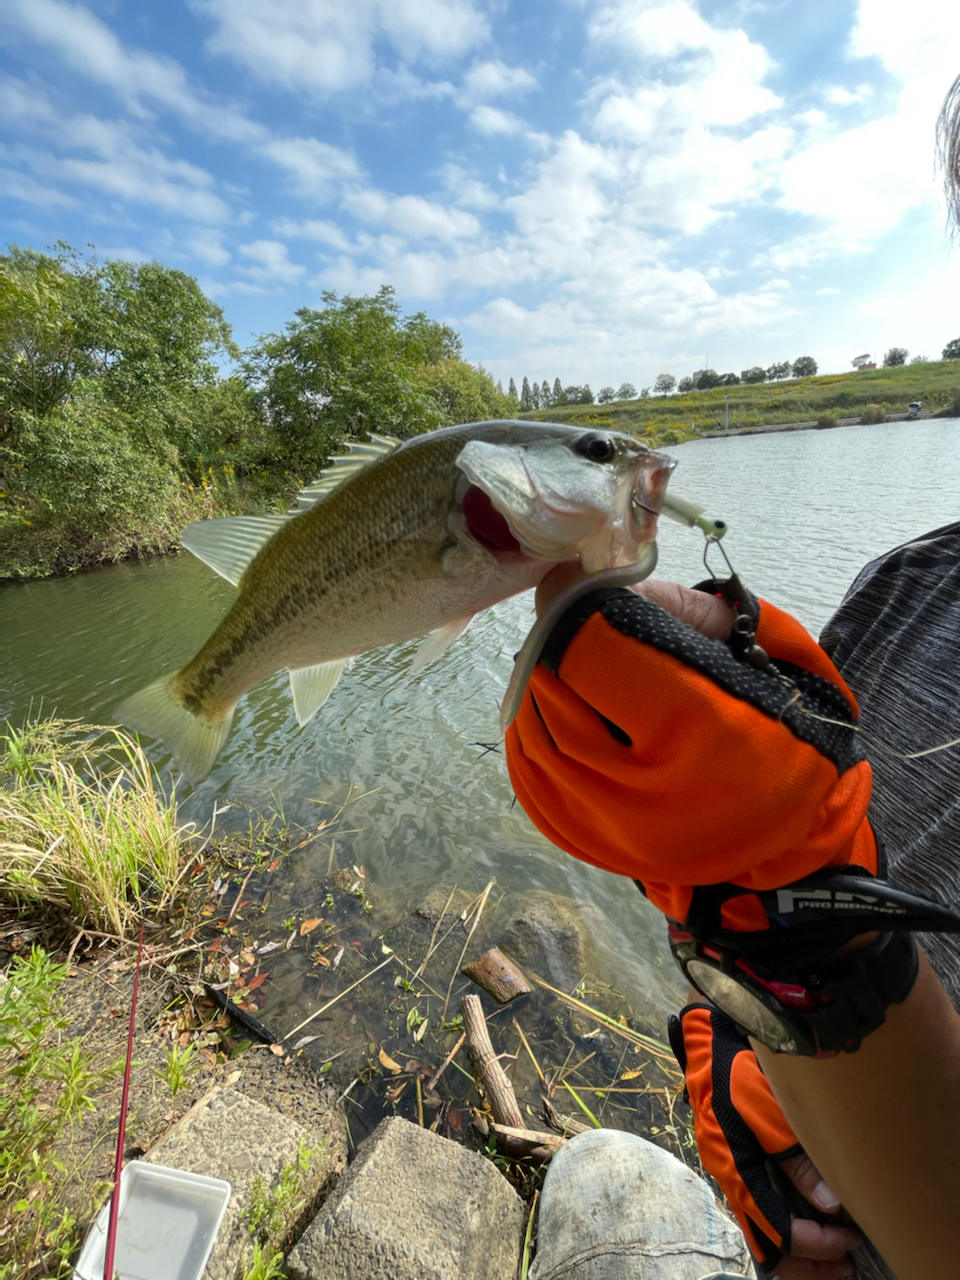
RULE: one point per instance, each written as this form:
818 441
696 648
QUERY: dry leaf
247 957
319 959
258 981
274 864
277 1050
308 926
631 1075
303 1042
421 1031
389 1063
268 947
233 1077
337 958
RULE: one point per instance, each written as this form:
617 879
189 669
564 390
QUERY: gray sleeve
896 641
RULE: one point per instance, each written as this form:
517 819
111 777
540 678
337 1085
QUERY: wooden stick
497 975
487 1071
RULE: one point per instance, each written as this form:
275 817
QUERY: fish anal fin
360 455
437 643
312 686
228 545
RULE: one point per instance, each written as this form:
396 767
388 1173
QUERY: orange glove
738 1125
647 749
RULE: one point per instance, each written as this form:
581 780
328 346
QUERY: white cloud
327 46
20 186
412 217
828 289
845 98
207 245
494 121
316 169
323 232
271 264
487 80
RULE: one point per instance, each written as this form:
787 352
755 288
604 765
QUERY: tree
895 357
462 392
920 359
804 367
664 383
346 368
778 371
557 391
644 393
859 361
605 395
729 380
686 384
753 374
626 391
577 395
535 394
526 399
512 391
705 379
546 399
952 350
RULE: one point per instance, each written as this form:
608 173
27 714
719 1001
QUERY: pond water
806 510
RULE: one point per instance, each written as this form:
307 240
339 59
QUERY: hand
741 1135
644 748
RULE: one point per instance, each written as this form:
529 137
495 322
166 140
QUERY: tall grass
85 829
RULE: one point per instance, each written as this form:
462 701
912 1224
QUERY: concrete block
229 1136
414 1206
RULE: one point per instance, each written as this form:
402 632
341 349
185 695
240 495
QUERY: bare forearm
883 1127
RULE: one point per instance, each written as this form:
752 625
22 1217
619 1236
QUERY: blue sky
600 190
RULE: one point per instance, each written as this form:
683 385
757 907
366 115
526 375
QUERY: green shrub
872 414
827 420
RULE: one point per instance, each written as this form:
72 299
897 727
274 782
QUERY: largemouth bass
392 541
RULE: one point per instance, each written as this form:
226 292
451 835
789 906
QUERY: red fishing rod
121 1135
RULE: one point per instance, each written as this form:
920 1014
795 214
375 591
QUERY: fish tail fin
194 741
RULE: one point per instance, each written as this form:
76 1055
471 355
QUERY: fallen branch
490 1077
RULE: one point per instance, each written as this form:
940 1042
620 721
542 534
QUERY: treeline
541 395
118 424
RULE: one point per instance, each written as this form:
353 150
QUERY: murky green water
806 510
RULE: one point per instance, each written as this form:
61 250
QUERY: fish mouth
486 525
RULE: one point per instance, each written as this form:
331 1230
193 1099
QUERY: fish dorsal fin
438 642
312 686
361 453
228 545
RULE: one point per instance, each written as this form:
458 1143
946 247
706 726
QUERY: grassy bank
668 419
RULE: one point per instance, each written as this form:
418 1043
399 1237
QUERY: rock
227 1135
549 934
413 1206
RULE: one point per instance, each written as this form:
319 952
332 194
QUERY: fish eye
596 447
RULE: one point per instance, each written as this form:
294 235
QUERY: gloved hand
648 749
745 1142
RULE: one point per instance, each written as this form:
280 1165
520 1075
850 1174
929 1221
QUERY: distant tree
644 393
577 395
546 399
952 350
512 390
605 395
664 384
753 374
919 359
499 387
686 384
706 378
895 357
859 361
535 394
557 391
526 399
778 371
729 380
626 391
805 367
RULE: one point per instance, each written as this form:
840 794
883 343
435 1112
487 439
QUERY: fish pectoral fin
228 545
312 686
438 642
